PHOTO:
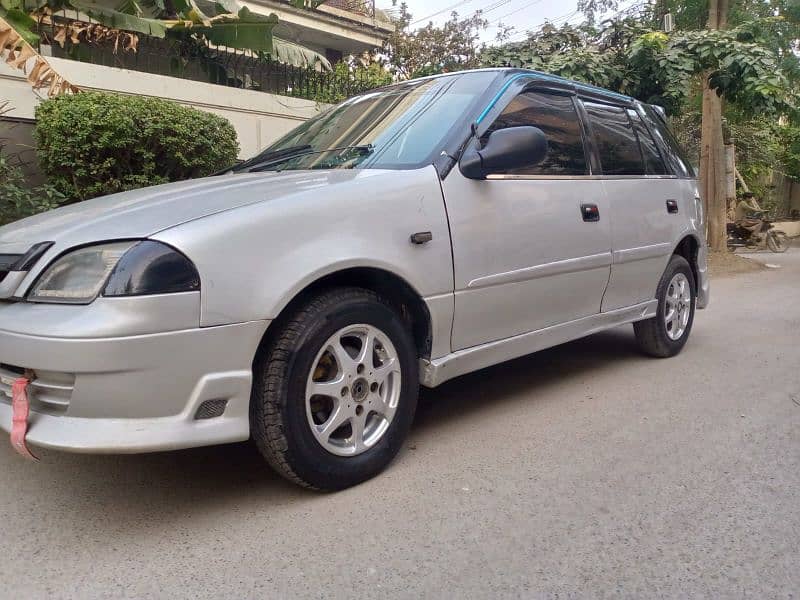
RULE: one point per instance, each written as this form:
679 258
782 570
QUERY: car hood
144 212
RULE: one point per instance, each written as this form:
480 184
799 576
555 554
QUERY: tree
712 144
429 50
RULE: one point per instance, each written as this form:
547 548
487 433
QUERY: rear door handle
590 212
672 206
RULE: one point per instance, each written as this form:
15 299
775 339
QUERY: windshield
400 127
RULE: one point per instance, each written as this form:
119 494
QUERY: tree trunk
712 147
742 182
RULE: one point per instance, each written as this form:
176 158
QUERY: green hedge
90 144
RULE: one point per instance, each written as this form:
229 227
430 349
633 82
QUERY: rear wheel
778 241
665 334
335 390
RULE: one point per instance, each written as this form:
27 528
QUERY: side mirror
510 148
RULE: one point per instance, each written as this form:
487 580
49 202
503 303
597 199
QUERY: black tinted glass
675 158
652 157
615 140
556 116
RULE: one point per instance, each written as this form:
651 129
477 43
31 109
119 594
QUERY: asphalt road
582 471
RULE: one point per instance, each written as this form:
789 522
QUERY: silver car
406 236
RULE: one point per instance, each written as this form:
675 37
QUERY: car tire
665 334
317 349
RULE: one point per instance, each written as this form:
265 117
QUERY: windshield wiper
266 157
362 150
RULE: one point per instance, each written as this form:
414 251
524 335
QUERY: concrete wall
259 118
20 148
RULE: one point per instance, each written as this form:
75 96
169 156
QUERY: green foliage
430 50
624 55
350 79
14 14
91 144
17 200
789 144
583 53
742 72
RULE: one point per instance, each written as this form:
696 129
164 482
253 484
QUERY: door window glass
652 157
556 116
615 140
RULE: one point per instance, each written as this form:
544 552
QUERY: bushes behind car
90 144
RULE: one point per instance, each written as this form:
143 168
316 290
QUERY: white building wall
259 118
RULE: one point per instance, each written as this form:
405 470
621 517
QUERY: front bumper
135 393
703 283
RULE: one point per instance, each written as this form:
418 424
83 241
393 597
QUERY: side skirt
437 371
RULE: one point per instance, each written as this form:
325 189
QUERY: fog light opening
210 409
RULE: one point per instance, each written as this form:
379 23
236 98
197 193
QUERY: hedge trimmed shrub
90 144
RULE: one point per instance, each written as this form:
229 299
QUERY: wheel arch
689 247
402 295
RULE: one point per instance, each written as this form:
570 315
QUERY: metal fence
193 60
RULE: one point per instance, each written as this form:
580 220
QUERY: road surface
582 471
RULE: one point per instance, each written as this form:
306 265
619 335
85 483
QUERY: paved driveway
585 470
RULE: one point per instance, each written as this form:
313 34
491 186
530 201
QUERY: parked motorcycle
766 237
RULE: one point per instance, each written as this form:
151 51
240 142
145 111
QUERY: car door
528 251
644 202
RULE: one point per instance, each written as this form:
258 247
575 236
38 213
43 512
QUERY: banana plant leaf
297 55
246 30
108 14
221 22
22 23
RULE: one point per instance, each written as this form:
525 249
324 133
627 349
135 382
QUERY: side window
675 157
652 157
556 116
615 140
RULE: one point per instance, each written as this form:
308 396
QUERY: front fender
253 260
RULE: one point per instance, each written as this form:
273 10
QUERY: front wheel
335 390
778 241
665 334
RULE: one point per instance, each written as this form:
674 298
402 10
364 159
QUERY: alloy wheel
678 306
353 390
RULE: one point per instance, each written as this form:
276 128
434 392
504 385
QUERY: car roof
511 72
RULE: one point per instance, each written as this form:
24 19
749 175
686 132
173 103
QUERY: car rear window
653 162
675 158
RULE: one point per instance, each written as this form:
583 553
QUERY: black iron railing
194 60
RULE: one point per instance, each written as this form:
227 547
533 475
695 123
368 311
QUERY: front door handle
590 212
672 206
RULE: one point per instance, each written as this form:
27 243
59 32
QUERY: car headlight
116 269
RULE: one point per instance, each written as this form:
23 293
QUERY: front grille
50 392
19 265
